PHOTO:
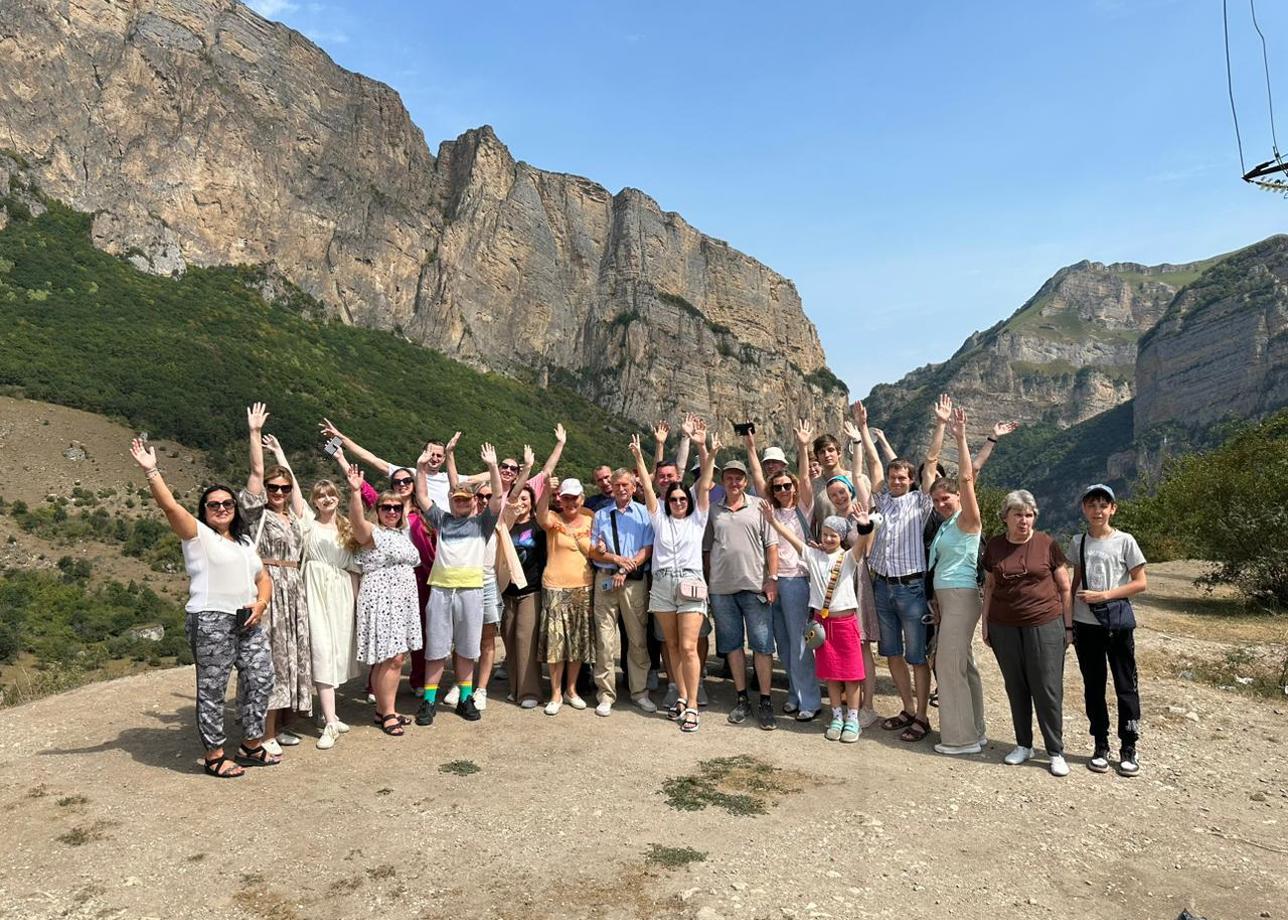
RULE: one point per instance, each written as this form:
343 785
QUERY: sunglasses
227 504
391 508
512 467
678 500
484 496
783 487
403 481
284 488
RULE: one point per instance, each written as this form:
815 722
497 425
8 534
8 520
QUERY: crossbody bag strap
1082 560
612 516
831 586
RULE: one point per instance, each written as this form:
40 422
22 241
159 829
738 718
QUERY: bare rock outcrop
198 133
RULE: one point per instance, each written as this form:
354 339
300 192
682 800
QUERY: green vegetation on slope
182 358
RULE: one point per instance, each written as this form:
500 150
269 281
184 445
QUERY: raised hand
661 431
529 457
942 408
860 413
560 435
1004 428
256 416
767 512
957 427
715 442
878 433
355 477
636 451
423 460
851 432
450 446
271 442
328 429
803 431
487 453
144 455
691 424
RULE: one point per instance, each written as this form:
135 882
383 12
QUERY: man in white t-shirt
436 476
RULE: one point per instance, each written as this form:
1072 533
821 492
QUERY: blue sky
917 170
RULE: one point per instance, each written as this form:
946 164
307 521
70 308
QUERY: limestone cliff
199 133
1221 349
1068 354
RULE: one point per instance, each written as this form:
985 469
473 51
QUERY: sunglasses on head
512 467
284 487
389 507
401 481
227 504
783 487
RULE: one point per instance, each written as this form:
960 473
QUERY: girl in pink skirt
832 598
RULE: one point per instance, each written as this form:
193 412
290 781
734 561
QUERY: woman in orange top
566 631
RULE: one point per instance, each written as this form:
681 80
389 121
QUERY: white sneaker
529 703
643 702
954 749
604 708
371 697
652 680
983 740
553 707
480 700
340 726
672 697
453 696
702 695
575 702
288 738
1059 766
1018 756
329 734
868 718
271 745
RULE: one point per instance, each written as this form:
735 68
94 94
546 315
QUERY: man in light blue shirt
621 542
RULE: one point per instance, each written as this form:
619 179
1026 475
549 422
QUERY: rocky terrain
199 133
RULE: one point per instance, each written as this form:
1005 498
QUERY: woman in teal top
953 557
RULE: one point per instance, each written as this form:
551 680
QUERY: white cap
571 487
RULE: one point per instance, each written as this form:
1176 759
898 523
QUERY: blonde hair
343 528
279 472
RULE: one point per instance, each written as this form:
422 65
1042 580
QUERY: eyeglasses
512 467
391 508
783 487
284 488
227 504
403 481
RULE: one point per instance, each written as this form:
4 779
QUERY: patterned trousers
216 648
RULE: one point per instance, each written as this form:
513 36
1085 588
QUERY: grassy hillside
181 358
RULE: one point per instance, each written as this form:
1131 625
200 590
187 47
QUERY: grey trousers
216 648
1031 659
961 695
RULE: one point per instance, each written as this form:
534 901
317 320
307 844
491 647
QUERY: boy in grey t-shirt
1115 570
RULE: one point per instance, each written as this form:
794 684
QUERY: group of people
813 566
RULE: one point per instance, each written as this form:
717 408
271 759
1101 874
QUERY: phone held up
331 446
742 429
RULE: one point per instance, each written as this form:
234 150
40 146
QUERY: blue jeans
790 611
732 611
900 609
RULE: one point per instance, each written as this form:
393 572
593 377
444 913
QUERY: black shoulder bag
1113 615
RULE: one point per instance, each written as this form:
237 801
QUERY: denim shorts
491 600
900 609
746 609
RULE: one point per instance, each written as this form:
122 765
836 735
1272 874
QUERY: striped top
899 549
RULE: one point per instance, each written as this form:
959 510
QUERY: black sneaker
740 712
467 710
765 715
1127 763
1099 762
425 714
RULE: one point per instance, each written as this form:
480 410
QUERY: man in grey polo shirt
741 556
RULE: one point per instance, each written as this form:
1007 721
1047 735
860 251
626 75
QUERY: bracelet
991 439
152 472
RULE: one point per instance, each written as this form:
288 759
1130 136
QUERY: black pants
1100 649
1031 659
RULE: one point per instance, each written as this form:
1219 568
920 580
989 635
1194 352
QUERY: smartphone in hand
742 429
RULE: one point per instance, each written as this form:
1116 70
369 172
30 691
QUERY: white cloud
271 9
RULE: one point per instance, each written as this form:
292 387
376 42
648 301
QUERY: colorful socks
431 693
467 689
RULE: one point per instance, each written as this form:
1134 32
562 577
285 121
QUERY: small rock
688 893
1258 796
1192 716
739 886
74 453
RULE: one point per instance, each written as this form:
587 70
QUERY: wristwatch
773 578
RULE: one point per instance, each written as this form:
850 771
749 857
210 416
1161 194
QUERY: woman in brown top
1027 620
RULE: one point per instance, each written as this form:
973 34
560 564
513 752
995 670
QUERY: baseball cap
1099 489
735 466
773 453
463 491
571 487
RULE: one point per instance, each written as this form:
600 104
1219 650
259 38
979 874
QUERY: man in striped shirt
898 560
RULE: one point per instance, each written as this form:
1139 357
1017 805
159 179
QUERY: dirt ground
107 815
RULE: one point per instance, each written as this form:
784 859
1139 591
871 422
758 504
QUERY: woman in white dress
388 614
328 591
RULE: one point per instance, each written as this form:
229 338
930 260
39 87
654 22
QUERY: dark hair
940 473
237 529
667 462
666 499
825 440
905 465
400 469
532 499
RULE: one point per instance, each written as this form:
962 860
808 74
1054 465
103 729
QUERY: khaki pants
961 696
519 633
630 602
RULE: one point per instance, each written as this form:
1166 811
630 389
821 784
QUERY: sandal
216 768
934 698
380 719
676 712
916 731
901 721
689 720
257 756
396 729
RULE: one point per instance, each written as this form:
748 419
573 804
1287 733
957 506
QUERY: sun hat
571 487
773 453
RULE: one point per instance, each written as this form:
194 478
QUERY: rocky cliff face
1067 355
1221 349
199 133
